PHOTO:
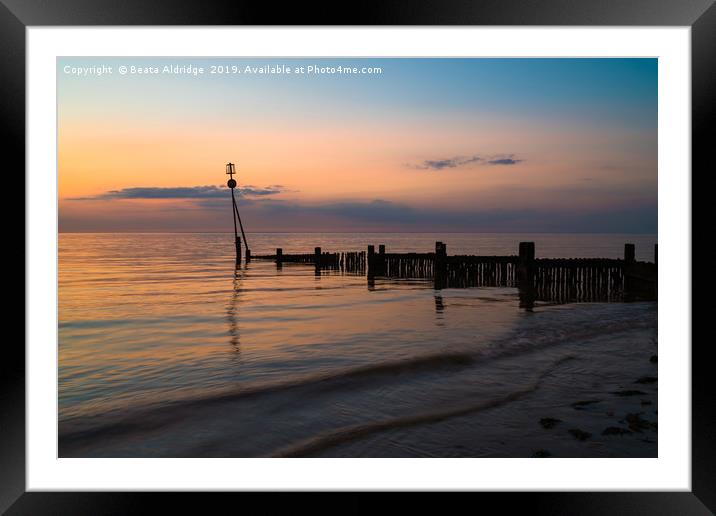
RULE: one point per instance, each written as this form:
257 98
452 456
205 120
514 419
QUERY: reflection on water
158 322
439 308
232 311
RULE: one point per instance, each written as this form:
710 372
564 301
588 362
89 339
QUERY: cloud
504 161
366 216
461 161
253 191
575 208
182 192
439 164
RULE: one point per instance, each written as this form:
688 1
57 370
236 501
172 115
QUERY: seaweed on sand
549 422
580 434
637 423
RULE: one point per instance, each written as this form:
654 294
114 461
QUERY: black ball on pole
231 183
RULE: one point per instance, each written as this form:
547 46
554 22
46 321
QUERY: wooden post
629 253
317 256
526 274
237 243
527 250
370 261
248 255
656 253
380 263
440 279
279 255
527 263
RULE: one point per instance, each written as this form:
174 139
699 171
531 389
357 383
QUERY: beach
577 407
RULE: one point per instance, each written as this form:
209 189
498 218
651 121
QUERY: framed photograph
421 252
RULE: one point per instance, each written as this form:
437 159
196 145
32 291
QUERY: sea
166 348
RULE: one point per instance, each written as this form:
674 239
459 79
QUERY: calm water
165 349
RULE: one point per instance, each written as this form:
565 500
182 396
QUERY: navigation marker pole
231 183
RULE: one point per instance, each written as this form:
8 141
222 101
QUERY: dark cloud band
461 161
504 161
182 192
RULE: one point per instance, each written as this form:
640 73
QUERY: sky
460 145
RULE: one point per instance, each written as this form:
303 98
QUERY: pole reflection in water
232 311
439 309
527 298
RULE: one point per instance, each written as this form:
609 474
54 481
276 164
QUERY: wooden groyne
349 262
586 279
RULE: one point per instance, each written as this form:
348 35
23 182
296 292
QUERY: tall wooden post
440 280
527 264
527 250
279 255
380 266
370 261
317 256
629 253
656 253
526 275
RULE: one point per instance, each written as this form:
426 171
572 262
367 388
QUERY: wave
352 433
150 418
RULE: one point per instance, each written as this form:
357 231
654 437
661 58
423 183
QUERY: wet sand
580 408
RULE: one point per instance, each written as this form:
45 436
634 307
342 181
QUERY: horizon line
349 232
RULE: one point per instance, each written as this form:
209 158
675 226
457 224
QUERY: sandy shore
598 400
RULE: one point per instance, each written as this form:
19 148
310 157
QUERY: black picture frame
17 15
